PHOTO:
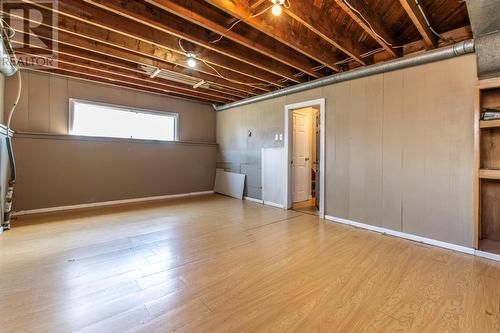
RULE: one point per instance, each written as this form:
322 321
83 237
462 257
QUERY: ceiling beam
418 19
151 57
70 69
198 12
166 22
78 74
257 3
307 43
134 73
75 32
315 20
111 72
75 45
370 23
106 25
64 50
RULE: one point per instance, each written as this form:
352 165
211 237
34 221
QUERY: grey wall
55 169
399 147
61 170
43 107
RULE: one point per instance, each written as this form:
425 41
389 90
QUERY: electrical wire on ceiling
369 24
438 35
254 85
10 32
192 54
318 68
417 2
285 4
370 53
364 55
261 12
228 29
182 48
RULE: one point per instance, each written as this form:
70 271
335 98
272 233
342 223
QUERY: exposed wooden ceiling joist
105 26
163 21
241 48
85 46
85 75
145 54
64 51
111 74
75 44
69 62
256 3
318 22
198 12
418 19
371 24
307 43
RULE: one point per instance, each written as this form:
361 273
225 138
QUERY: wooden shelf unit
487 169
489 123
489 174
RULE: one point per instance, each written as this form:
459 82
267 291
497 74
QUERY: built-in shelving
487 189
489 123
489 174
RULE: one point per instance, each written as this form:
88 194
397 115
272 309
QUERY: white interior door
301 163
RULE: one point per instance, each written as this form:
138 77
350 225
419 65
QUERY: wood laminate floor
215 264
307 207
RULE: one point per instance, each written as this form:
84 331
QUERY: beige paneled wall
399 147
43 107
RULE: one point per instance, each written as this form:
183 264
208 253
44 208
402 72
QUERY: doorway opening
304 145
305 160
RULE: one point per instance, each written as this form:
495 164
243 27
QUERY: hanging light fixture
277 10
191 60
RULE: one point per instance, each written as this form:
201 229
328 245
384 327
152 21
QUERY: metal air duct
485 22
455 50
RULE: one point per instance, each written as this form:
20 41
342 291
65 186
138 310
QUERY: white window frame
124 108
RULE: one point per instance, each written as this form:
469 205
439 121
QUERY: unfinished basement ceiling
238 48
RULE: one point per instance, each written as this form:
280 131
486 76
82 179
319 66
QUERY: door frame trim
288 141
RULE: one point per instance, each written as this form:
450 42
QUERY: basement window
106 120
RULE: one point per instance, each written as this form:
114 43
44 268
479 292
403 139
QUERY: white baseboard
267 203
272 204
108 203
253 200
487 255
429 241
193 194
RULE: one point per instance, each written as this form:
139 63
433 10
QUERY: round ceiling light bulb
277 10
191 63
191 60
